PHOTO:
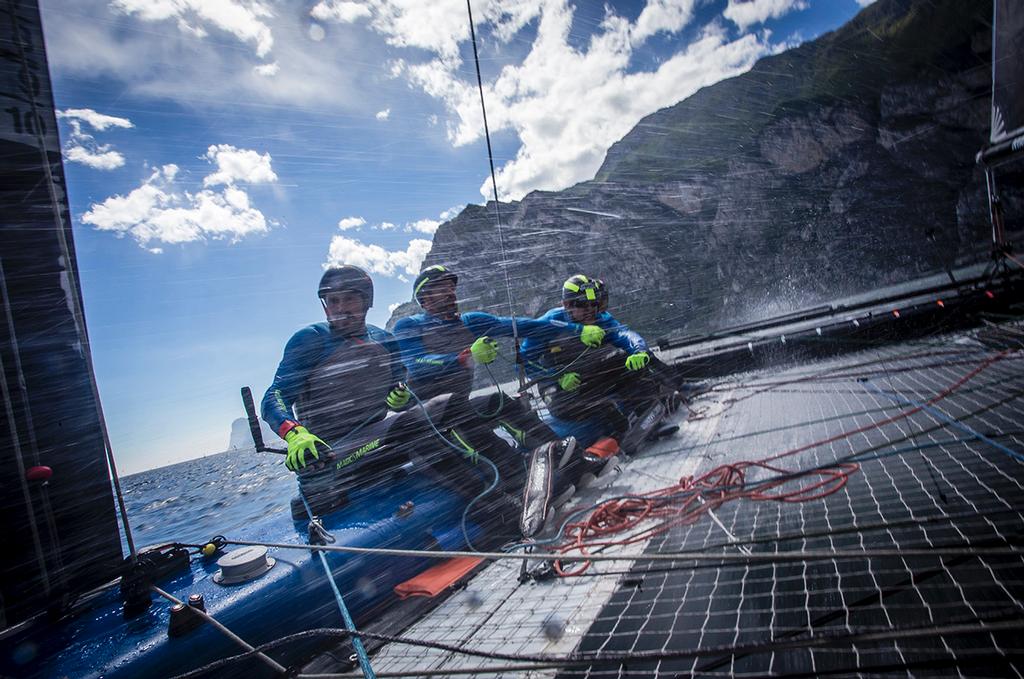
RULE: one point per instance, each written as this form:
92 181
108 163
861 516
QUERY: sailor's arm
420 365
543 329
298 359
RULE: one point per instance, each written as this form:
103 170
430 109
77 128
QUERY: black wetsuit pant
471 422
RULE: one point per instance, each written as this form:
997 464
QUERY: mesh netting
942 471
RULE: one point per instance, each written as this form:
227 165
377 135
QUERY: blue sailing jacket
431 346
546 357
332 383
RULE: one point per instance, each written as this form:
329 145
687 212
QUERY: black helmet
579 288
432 274
602 296
346 277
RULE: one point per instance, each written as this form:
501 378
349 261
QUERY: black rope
1004 620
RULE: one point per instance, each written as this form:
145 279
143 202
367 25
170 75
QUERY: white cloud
428 226
158 210
865 3
661 16
451 213
83 148
244 19
385 226
438 27
342 12
100 158
98 121
351 223
383 115
238 165
567 101
376 259
393 306
745 13
267 70
435 26
569 104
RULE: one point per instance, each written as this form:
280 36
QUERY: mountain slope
837 167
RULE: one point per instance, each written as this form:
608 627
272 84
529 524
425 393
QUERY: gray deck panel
654 609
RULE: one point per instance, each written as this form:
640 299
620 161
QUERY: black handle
254 424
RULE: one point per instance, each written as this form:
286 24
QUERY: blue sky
219 154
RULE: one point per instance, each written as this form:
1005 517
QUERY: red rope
688 500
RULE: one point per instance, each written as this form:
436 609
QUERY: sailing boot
549 482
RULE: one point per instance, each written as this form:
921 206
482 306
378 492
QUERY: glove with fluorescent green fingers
484 350
569 381
398 397
300 442
637 361
592 335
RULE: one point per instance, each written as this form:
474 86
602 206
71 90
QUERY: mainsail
1007 71
60 533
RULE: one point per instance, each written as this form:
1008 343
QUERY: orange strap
436 579
604 448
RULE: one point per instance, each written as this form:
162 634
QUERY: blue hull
293 596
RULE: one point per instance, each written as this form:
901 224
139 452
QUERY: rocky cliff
836 167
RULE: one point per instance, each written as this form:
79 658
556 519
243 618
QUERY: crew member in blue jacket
576 380
335 375
440 347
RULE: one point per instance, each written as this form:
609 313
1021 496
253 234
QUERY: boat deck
927 518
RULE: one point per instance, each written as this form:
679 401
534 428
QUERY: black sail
1007 71
60 536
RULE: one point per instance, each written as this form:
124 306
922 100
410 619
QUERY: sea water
214 495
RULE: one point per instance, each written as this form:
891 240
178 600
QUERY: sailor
441 346
335 375
577 382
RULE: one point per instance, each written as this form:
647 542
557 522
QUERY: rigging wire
346 617
497 205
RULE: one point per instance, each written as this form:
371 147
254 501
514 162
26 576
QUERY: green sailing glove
569 381
592 336
484 350
398 398
300 441
637 361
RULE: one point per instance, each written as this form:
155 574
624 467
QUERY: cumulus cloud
100 157
376 259
568 104
238 165
246 20
267 70
746 13
81 147
343 11
567 101
383 115
428 226
661 16
351 223
451 213
97 121
159 210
